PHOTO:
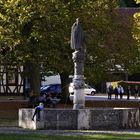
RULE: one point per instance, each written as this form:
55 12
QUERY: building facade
11 81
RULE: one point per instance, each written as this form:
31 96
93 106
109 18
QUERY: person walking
110 91
120 91
116 92
128 92
136 92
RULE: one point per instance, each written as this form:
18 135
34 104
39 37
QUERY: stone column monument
78 56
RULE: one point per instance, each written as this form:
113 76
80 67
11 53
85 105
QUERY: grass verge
8 122
89 137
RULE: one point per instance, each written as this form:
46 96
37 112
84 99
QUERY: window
11 76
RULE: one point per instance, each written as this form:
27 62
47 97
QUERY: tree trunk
65 87
34 74
126 76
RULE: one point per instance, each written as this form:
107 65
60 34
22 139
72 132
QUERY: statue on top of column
77 36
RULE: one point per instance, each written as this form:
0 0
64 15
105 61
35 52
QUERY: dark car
54 89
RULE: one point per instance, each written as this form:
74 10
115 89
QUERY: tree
108 45
136 31
38 32
21 35
137 1
32 31
126 3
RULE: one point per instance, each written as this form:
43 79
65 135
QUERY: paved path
17 130
103 97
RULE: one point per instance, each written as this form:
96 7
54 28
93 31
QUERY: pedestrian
116 92
32 99
39 108
120 91
136 92
128 92
110 91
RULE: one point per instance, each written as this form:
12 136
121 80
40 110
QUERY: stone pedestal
84 119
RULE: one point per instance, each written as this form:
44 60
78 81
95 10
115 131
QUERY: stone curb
17 130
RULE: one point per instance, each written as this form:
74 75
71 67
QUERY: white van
88 90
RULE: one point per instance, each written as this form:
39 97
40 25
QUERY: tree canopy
39 31
137 26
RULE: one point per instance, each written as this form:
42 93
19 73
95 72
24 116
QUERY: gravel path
17 130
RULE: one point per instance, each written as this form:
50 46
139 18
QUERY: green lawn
8 122
90 137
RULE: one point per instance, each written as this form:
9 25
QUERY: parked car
88 90
54 89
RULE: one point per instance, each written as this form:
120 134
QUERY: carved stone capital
78 82
78 56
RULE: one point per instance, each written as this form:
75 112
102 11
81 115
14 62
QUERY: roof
132 82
